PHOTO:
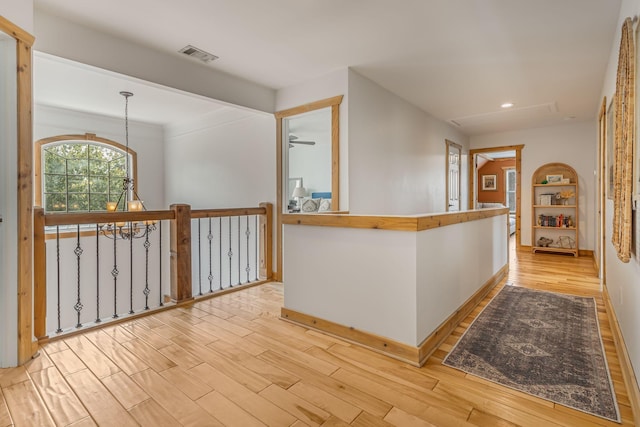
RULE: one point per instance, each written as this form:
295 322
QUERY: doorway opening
495 177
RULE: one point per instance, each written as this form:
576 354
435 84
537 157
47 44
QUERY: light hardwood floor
231 361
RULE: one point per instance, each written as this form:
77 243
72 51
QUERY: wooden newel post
180 243
39 275
266 241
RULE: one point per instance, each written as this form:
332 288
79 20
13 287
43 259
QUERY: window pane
78 184
511 180
76 150
118 167
53 163
55 202
104 153
101 153
98 202
78 202
511 201
55 183
115 186
99 184
98 167
78 167
59 150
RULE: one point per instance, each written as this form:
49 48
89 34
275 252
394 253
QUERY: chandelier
129 198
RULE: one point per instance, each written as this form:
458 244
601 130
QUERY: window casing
80 173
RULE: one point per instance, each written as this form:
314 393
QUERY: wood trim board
15 31
630 379
399 223
26 348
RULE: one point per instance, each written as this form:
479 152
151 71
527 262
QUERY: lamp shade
299 192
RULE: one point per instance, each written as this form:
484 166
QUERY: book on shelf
559 221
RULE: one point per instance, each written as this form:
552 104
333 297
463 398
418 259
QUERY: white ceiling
66 84
457 60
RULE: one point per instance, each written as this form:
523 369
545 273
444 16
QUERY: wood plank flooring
230 361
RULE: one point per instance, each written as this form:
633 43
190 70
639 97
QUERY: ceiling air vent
200 54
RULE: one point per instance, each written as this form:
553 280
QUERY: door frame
473 179
602 196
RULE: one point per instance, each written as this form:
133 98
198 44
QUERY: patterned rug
544 344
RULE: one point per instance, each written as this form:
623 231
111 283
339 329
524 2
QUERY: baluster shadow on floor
230 361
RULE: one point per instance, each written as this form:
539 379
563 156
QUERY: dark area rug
541 343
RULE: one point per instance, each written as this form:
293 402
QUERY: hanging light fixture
128 196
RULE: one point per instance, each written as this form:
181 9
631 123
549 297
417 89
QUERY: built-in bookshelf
554 206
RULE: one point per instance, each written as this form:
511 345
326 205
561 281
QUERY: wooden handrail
398 223
215 213
105 217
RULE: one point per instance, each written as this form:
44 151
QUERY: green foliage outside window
82 177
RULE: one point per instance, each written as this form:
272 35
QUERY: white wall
358 278
622 279
312 163
397 153
20 12
211 163
574 144
144 138
58 36
442 286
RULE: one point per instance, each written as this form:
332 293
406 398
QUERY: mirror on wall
308 150
306 140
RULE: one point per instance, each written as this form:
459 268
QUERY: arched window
80 173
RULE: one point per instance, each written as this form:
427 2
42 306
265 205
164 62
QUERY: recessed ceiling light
507 105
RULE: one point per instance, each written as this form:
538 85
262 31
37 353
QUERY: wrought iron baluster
97 273
130 267
247 233
58 264
147 245
78 252
115 273
220 251
239 253
257 236
230 254
199 261
210 238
